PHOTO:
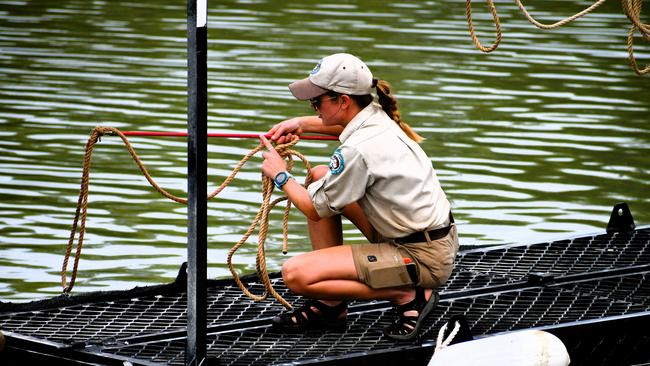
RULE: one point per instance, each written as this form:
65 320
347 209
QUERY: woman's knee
293 275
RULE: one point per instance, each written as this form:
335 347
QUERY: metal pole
197 167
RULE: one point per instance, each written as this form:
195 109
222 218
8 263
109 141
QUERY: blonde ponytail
389 105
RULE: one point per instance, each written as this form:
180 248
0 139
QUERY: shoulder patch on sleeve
337 164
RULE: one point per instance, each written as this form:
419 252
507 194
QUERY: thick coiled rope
261 218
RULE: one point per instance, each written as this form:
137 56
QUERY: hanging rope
261 218
631 8
493 10
561 22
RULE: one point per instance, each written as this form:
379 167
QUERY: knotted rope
261 218
631 8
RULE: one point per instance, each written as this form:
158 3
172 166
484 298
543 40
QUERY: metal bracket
621 220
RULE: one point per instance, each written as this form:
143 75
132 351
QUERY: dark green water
532 143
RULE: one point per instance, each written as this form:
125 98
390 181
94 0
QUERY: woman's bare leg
330 274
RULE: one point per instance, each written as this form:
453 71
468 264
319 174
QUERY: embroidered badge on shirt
336 162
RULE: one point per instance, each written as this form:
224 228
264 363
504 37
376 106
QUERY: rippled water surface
531 143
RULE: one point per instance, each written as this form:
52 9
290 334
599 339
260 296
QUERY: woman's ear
346 101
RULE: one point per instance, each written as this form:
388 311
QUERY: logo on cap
317 67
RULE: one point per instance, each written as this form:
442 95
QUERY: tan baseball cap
340 72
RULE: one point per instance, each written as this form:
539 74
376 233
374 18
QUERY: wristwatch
281 179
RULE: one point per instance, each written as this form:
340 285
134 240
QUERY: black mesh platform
591 291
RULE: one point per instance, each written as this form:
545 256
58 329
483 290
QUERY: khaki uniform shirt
385 171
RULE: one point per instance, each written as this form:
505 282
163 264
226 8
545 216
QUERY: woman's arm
297 194
315 125
285 130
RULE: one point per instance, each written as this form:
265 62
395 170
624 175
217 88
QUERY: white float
523 348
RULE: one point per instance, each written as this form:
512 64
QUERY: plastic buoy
524 348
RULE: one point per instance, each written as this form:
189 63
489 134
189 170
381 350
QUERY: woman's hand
273 162
297 194
284 131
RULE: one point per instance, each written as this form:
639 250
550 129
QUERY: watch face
280 178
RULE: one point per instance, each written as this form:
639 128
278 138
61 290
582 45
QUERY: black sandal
407 327
305 317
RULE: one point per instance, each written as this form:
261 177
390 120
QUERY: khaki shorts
382 265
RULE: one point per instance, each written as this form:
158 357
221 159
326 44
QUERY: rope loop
81 213
262 217
441 342
632 9
472 32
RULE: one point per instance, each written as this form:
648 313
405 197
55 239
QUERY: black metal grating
631 289
110 320
513 263
488 285
486 314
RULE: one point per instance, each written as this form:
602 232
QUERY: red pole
221 134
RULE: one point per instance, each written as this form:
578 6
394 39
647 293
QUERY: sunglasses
316 102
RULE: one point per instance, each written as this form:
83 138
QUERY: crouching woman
383 182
